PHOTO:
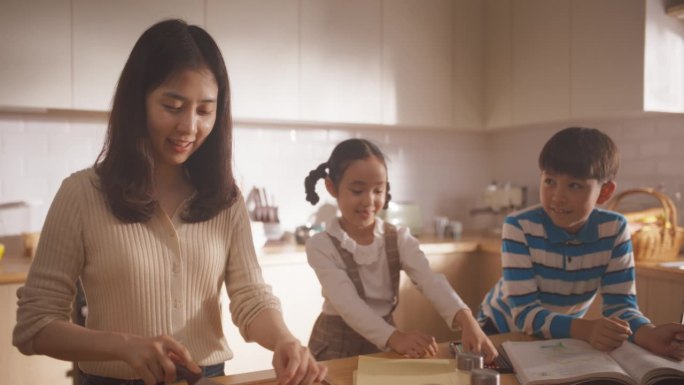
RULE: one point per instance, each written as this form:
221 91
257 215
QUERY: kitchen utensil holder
659 240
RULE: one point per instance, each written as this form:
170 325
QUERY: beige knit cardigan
162 276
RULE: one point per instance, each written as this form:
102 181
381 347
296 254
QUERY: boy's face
569 200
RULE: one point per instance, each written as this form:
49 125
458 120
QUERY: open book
571 361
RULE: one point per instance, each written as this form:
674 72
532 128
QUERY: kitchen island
16 367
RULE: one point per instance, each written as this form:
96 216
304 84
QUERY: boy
557 255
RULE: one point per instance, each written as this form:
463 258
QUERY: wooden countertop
286 252
340 372
675 270
14 268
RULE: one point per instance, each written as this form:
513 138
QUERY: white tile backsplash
654 149
443 171
670 127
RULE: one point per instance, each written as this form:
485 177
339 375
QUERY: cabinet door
498 84
341 60
35 64
418 63
470 274
467 27
541 60
607 57
661 297
297 287
104 33
17 368
260 44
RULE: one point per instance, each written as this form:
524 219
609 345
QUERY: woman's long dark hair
341 157
126 163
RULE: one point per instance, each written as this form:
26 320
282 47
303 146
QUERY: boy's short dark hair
581 152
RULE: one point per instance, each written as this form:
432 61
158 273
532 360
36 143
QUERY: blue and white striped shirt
550 276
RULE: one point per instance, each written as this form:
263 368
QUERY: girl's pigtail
388 197
310 182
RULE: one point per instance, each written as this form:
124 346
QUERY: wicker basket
655 234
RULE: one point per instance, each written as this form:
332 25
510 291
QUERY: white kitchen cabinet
660 294
554 60
527 61
17 368
418 63
541 60
104 33
260 44
399 62
607 57
35 64
299 291
468 64
498 80
341 61
471 274
432 63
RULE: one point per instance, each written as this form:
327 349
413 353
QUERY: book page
388 371
645 366
561 361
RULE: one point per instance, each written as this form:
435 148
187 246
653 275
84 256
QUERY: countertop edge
14 268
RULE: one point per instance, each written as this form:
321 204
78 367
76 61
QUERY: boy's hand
604 334
472 336
665 340
413 344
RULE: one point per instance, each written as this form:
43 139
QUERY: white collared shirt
341 297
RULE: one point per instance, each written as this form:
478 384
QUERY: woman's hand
473 338
666 340
604 334
154 359
414 344
294 364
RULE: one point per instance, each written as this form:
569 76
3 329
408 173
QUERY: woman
153 230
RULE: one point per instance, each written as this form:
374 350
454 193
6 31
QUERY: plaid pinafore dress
331 337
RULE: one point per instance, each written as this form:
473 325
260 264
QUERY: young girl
153 231
358 259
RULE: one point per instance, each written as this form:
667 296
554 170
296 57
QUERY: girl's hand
413 344
473 338
154 359
294 364
604 334
666 340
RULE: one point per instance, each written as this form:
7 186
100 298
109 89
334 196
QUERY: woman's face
180 115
